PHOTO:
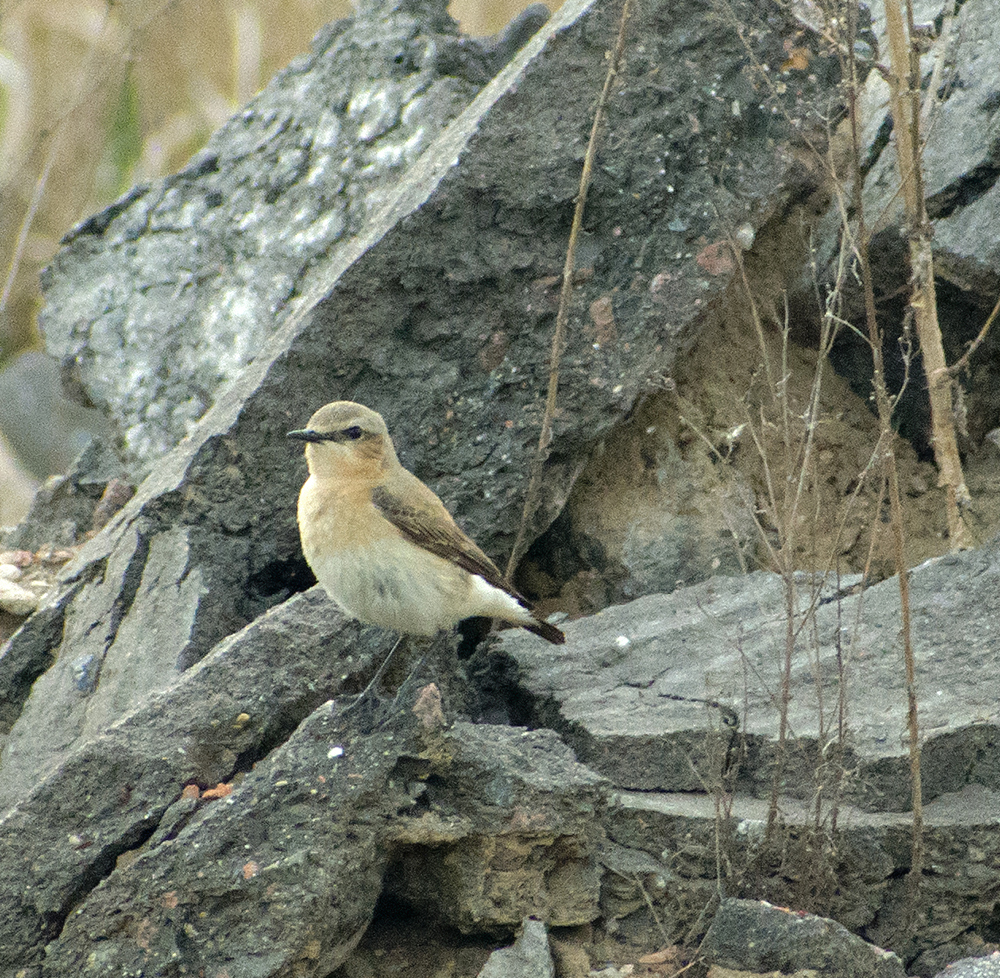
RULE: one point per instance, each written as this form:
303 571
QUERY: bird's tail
549 632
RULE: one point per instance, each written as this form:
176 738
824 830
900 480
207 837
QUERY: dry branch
904 87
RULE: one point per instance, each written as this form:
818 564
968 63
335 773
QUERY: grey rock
529 957
840 861
25 658
281 876
960 154
109 868
453 358
513 830
987 966
672 698
110 794
155 303
653 693
633 878
961 150
62 513
755 936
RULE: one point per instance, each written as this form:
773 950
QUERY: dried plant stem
562 316
55 133
29 218
795 468
959 365
887 436
904 87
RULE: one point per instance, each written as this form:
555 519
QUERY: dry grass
96 96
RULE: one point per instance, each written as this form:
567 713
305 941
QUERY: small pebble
10 572
16 599
19 558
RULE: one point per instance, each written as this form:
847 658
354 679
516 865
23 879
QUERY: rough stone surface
309 830
672 848
278 190
110 794
674 697
529 956
755 936
462 303
982 967
961 152
63 510
438 313
549 807
279 877
23 661
649 692
960 169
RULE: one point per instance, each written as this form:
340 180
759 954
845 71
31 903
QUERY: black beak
305 434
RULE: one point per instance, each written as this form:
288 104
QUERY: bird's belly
394 584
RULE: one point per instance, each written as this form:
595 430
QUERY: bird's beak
305 434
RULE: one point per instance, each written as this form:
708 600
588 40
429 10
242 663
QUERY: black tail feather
549 632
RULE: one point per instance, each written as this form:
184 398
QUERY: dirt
720 465
398 944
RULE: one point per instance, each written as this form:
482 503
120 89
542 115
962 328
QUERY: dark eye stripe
354 433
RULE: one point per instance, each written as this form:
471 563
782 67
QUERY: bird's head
344 438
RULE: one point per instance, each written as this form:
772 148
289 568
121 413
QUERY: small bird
382 544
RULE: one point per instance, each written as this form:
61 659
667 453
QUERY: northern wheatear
382 544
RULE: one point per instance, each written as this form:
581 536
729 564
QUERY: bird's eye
354 432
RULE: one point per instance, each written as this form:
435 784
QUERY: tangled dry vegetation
770 424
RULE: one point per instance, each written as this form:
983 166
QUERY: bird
382 544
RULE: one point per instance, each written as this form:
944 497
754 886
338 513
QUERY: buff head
342 436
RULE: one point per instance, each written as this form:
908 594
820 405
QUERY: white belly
397 585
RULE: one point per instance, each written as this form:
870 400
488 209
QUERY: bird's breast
369 569
337 514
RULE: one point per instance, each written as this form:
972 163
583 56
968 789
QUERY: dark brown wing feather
432 528
441 536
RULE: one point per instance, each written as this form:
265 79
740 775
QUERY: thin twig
891 471
959 365
29 218
562 316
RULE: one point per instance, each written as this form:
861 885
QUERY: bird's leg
406 686
435 662
379 673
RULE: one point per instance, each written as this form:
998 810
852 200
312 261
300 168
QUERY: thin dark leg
379 673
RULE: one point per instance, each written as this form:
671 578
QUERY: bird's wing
430 526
